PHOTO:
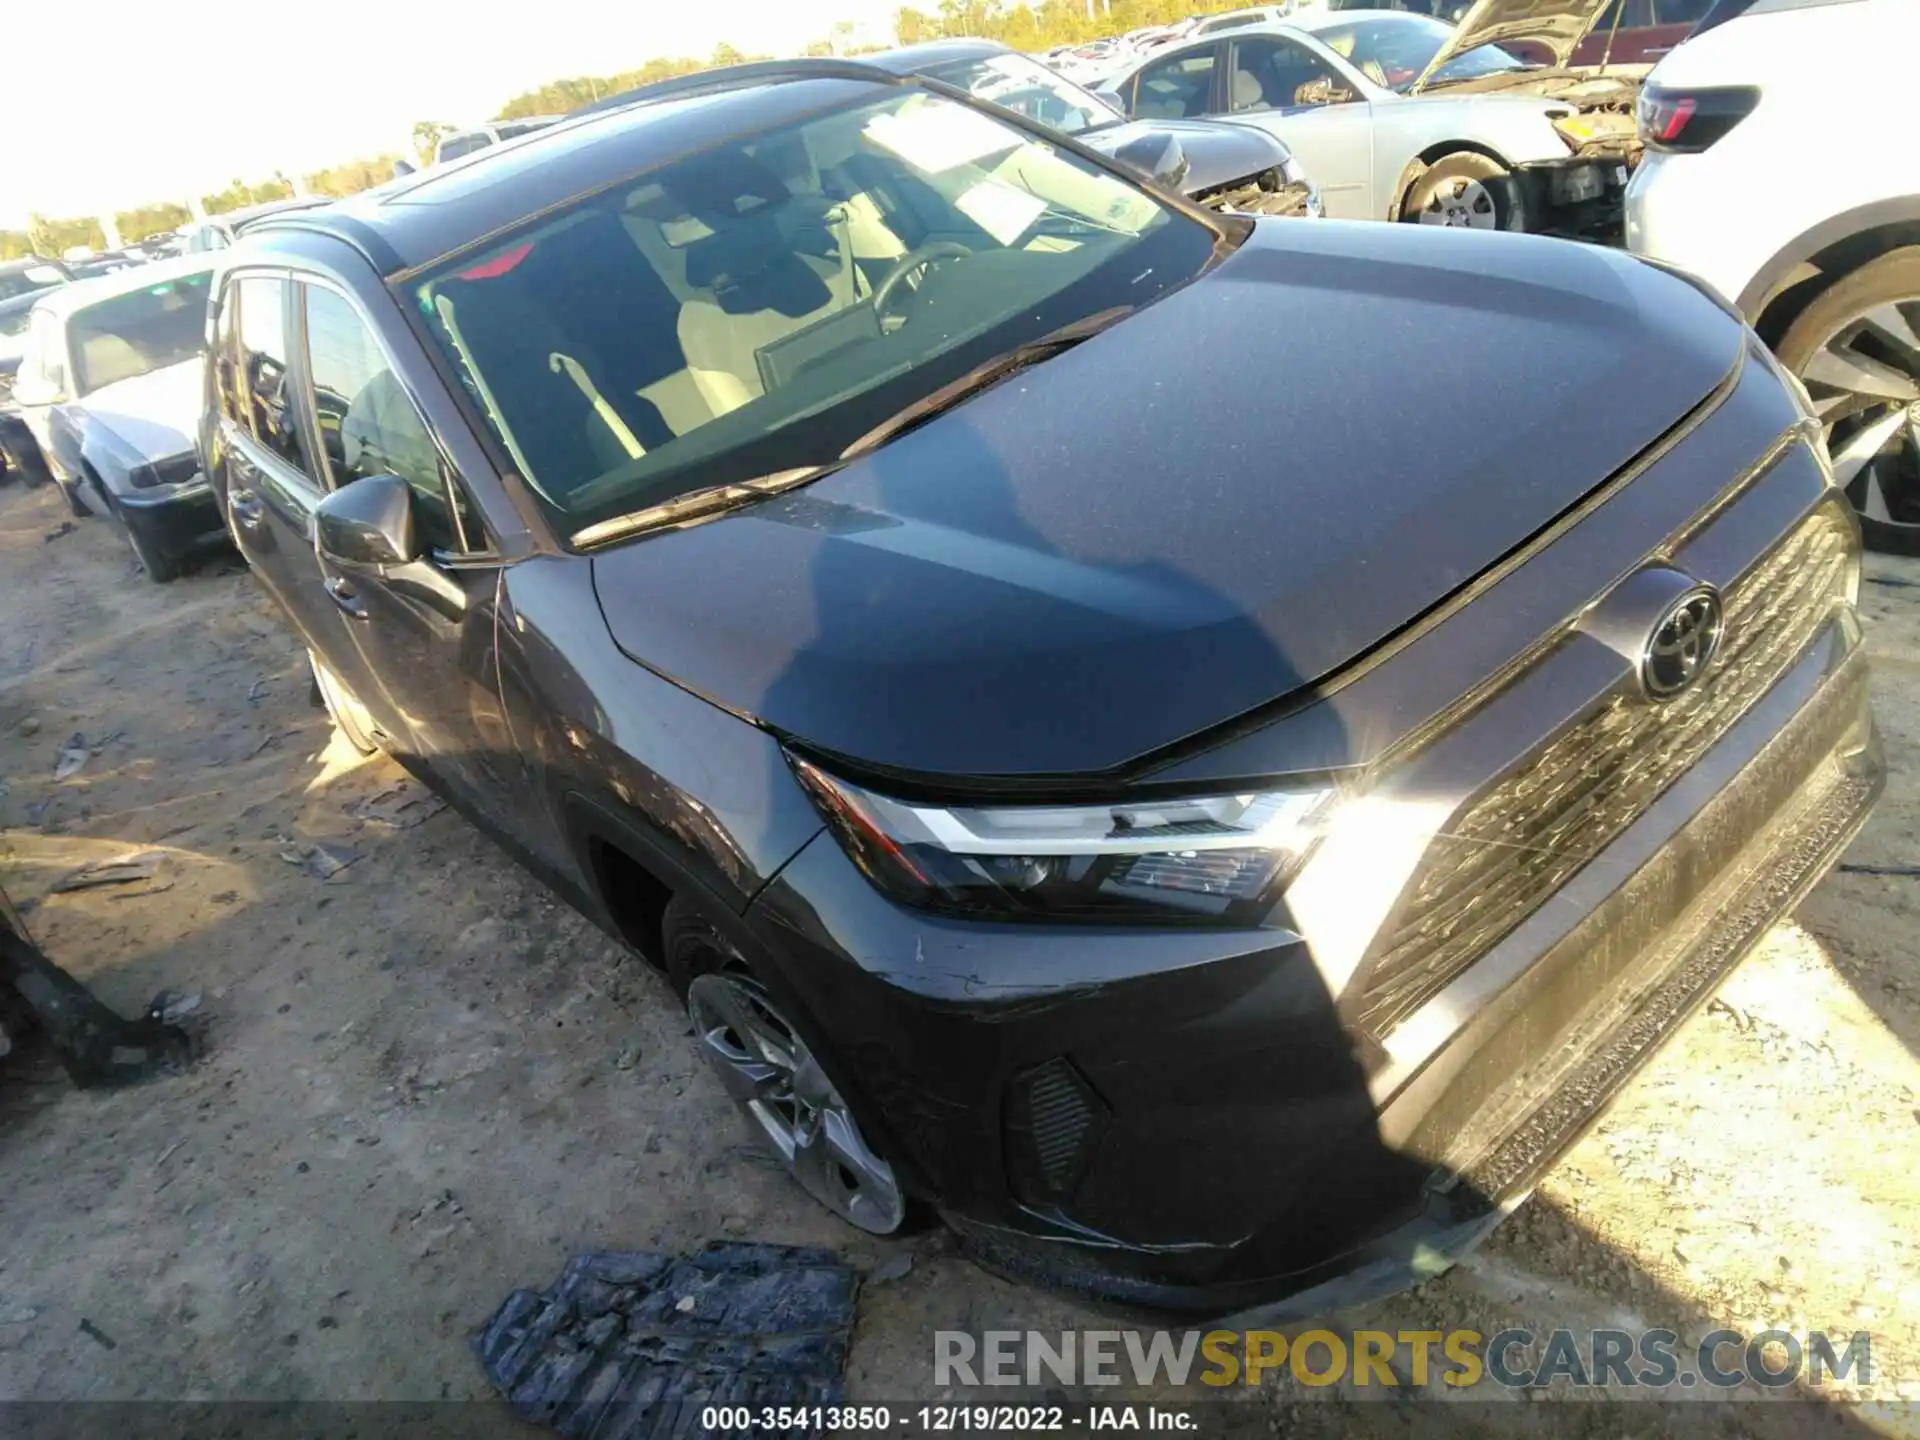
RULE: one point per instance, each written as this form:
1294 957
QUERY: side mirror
1112 100
368 526
1156 156
401 168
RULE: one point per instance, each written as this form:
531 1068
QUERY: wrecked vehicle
1401 116
1224 167
905 576
94 1044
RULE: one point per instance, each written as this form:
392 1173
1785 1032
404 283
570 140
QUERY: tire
1871 412
161 567
70 492
349 716
768 1067
1466 191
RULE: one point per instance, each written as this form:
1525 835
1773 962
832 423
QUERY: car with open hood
1402 116
1077 691
110 385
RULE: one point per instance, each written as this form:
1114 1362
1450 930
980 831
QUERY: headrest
1247 91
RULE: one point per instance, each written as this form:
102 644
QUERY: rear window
137 333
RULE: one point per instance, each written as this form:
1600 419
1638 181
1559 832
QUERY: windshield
1024 85
27 279
136 333
758 306
1395 50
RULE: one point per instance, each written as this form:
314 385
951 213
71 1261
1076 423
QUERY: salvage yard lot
426 1082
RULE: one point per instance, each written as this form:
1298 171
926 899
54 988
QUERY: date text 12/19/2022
939 1419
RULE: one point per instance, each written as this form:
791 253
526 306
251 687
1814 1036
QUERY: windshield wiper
987 373
697 505
704 504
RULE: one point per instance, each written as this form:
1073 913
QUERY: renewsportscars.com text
1460 1359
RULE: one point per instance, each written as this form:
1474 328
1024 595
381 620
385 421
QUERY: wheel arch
1809 264
1411 172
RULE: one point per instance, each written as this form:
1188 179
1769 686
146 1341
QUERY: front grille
1524 838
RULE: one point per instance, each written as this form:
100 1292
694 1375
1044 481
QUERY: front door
423 633
1315 111
272 483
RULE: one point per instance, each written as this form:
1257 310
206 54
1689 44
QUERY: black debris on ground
629 1343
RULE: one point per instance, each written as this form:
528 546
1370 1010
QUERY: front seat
1248 94
756 291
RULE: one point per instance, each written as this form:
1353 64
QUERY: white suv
1780 169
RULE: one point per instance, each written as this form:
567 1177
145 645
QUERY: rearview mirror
1112 100
1156 156
368 525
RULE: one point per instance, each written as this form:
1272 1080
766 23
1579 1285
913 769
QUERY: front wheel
773 1076
1464 192
1857 350
161 567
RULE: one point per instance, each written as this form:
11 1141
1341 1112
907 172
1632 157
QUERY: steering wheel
917 258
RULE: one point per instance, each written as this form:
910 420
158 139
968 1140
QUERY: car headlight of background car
1222 859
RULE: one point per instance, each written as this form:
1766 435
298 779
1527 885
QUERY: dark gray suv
1193 745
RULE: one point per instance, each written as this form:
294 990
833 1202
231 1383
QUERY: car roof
417 219
64 300
917 59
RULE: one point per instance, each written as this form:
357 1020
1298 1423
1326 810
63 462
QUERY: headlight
1219 858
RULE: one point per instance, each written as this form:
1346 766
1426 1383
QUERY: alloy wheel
776 1081
1864 380
1461 203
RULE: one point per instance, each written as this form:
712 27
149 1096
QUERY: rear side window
368 424
1176 88
264 378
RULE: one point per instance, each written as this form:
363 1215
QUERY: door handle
340 590
246 509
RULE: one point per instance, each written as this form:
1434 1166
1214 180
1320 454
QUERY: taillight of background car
1688 121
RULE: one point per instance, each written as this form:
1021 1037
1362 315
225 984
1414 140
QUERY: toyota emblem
1682 644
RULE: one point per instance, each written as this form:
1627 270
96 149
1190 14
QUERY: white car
1403 116
1798 199
112 383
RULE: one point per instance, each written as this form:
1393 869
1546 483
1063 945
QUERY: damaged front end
1580 195
1275 191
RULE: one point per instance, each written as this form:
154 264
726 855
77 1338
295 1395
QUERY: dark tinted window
1180 86
133 334
368 425
271 406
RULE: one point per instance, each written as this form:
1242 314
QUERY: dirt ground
426 1082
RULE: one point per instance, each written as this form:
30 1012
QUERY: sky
155 101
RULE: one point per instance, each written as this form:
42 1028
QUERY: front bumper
1257 1121
176 519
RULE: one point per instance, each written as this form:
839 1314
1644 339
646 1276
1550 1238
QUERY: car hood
1558 25
1216 154
1204 508
155 414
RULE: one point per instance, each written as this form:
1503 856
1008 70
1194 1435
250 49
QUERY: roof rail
756 72
349 230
